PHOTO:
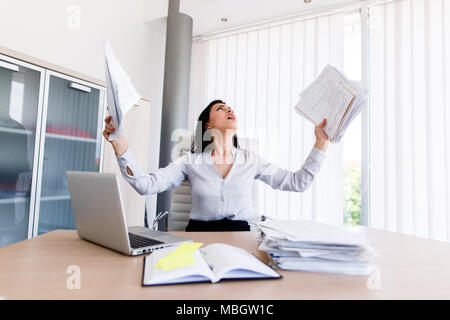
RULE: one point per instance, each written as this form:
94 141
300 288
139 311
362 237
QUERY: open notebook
213 263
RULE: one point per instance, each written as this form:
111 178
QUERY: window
407 160
352 141
260 73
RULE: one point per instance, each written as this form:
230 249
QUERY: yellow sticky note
180 257
187 247
172 262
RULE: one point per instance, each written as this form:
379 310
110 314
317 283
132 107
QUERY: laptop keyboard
140 242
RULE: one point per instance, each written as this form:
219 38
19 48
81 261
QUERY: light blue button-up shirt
214 197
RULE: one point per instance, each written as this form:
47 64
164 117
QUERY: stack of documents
316 247
334 97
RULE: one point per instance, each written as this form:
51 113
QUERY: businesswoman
219 172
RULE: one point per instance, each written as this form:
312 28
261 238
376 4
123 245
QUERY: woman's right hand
322 139
119 144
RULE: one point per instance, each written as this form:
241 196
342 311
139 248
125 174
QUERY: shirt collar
210 159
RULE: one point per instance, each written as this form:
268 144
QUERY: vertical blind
409 117
259 73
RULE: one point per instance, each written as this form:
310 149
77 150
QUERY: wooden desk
410 268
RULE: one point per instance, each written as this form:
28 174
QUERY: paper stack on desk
316 247
334 97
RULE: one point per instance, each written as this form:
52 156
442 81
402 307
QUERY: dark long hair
200 130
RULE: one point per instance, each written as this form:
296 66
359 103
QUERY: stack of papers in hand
316 247
334 97
120 93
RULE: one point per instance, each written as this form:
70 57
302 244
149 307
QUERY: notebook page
192 273
231 262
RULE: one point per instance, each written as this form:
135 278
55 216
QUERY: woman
219 172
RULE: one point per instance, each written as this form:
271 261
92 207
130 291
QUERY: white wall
47 29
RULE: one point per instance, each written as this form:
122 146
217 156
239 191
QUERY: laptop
99 216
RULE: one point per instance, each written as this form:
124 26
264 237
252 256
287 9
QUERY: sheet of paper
315 265
304 115
180 257
358 104
120 94
314 232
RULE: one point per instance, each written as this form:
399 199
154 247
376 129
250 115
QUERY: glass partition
20 96
72 141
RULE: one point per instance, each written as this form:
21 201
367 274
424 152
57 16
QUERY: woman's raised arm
145 183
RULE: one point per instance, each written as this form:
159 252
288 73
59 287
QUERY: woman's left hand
322 139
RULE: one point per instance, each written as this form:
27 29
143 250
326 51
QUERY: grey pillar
176 88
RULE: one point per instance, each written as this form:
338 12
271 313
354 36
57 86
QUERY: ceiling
207 14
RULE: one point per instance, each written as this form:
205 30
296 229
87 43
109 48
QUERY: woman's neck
223 147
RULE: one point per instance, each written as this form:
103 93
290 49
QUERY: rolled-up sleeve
286 180
157 181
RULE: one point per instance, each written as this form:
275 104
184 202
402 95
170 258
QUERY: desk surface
409 268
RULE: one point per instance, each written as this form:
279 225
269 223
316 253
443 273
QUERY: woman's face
222 118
